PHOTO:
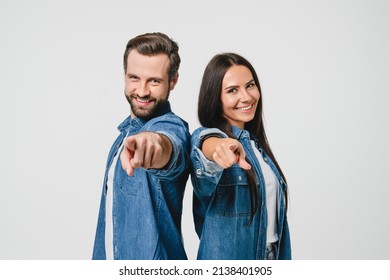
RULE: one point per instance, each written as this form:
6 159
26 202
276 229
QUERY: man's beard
142 112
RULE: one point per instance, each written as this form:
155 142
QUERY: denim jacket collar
241 134
237 132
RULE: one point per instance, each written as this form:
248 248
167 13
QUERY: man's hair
153 44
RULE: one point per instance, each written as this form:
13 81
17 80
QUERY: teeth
244 108
143 101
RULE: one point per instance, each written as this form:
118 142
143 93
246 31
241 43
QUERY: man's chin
146 112
141 113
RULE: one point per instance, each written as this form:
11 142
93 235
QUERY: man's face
147 84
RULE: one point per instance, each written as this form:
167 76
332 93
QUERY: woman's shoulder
202 132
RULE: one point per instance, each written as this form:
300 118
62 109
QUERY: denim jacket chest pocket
233 198
129 185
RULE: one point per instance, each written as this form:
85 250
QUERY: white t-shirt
109 201
271 190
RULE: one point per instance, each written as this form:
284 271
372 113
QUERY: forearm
208 147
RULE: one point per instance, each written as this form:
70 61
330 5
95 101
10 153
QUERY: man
148 164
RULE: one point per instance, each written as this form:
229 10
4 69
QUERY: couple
240 193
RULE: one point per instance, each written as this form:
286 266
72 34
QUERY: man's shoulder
167 119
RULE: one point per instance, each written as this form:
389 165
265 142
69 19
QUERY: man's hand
225 152
147 150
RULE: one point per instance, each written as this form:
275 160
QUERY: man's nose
143 90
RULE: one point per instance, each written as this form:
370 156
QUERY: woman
240 199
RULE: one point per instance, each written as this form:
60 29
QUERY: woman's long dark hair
210 113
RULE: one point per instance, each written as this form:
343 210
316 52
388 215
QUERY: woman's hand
225 152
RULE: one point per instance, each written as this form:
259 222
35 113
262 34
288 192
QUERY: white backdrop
324 68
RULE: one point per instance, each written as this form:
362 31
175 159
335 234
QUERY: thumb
233 147
130 143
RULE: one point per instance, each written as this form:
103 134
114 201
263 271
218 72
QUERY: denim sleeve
177 132
206 173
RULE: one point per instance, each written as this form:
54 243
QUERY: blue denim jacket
222 205
147 206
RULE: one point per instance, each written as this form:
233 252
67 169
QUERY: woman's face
239 96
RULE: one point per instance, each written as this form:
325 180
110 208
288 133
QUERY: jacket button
239 178
198 172
265 159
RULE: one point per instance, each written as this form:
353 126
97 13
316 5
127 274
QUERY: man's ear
173 81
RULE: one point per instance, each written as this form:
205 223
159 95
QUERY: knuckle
158 150
220 148
136 163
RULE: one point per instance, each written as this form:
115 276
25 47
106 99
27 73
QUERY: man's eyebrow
156 78
131 74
